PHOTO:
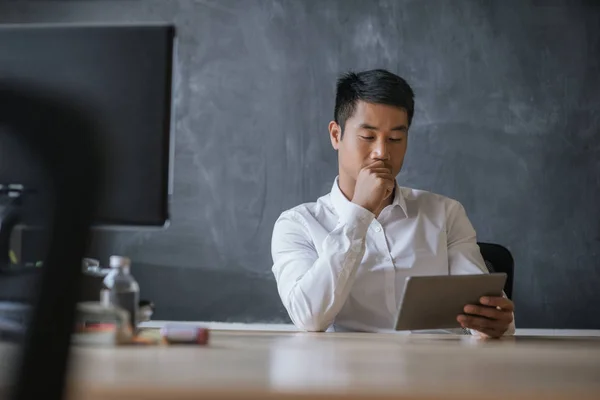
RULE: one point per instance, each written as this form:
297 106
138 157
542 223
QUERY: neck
385 203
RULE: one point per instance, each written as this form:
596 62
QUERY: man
341 262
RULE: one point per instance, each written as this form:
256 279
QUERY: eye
395 140
367 137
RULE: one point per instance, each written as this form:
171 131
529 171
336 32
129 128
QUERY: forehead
378 115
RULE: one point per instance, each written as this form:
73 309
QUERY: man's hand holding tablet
491 318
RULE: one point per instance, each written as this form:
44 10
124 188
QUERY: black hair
376 86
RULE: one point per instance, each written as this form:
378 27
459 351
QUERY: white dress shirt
338 267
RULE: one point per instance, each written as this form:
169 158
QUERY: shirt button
388 259
377 229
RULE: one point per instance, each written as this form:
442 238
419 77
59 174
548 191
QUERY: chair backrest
499 259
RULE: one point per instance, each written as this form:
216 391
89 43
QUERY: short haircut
376 86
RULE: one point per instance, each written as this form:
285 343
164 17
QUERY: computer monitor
124 74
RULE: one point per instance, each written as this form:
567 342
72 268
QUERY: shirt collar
340 202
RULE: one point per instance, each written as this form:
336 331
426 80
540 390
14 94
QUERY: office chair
499 259
58 134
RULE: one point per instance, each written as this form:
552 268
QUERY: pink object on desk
184 334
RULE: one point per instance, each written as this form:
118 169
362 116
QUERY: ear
335 134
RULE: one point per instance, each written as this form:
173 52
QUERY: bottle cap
119 261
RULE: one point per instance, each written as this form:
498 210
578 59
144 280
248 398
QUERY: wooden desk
291 365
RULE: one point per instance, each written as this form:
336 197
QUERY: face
375 132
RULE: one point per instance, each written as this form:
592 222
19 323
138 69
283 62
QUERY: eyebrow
374 128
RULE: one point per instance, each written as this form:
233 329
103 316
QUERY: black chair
499 259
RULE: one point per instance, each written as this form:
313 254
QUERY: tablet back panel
434 302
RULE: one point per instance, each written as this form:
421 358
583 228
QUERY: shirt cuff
358 217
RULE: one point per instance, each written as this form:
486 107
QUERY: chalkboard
507 122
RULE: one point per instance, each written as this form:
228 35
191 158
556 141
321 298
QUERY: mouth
385 165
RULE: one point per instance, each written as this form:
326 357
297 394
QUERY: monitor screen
124 74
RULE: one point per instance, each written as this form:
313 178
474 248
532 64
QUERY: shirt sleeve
313 287
464 255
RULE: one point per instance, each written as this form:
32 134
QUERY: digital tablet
434 302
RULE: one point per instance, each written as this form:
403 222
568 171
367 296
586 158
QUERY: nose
380 151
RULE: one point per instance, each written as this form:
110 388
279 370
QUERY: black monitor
124 74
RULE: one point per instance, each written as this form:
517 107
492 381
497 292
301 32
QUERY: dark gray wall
507 122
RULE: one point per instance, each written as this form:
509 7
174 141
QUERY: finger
492 333
502 302
379 170
375 164
477 323
488 312
483 325
375 171
388 193
386 182
386 176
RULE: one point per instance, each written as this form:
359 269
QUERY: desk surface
244 364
